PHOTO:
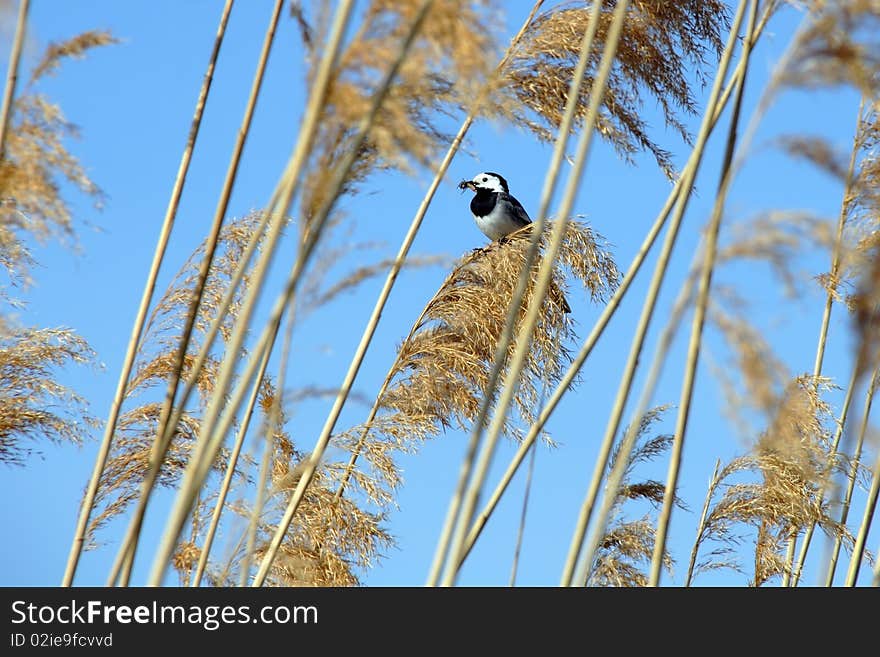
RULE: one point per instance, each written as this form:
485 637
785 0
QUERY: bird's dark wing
515 209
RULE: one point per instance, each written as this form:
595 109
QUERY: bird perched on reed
496 212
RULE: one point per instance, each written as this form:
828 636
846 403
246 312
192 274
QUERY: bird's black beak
467 184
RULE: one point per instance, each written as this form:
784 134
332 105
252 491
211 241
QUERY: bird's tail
558 298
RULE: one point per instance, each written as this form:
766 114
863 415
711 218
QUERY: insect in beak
467 184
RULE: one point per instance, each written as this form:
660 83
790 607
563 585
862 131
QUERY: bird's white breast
496 224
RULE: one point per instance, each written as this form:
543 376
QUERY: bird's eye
484 179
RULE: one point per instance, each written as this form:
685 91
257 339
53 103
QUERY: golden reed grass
384 91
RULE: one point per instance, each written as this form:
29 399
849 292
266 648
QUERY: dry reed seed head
659 42
296 565
792 461
130 459
861 262
865 304
860 205
628 545
760 372
34 162
443 366
769 559
166 321
644 448
801 429
446 63
452 348
865 199
33 405
186 557
719 528
780 239
329 540
75 48
136 431
818 152
839 45
460 35
624 552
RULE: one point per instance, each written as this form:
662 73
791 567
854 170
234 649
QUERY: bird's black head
486 181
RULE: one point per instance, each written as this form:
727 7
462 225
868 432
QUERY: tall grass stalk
701 525
522 338
833 452
282 198
12 72
274 426
210 250
520 532
855 562
699 318
223 492
837 252
442 552
88 501
409 238
688 177
851 483
345 167
601 323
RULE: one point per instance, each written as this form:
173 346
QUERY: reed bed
207 425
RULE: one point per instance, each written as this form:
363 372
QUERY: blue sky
134 102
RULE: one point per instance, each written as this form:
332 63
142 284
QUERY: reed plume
36 160
386 78
775 489
34 163
438 379
661 43
324 540
628 544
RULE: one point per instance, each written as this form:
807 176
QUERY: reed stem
521 336
12 73
324 439
165 429
693 356
837 253
88 501
451 522
282 198
688 176
598 329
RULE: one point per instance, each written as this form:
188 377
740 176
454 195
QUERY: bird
496 212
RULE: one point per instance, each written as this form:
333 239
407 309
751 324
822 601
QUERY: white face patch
487 181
